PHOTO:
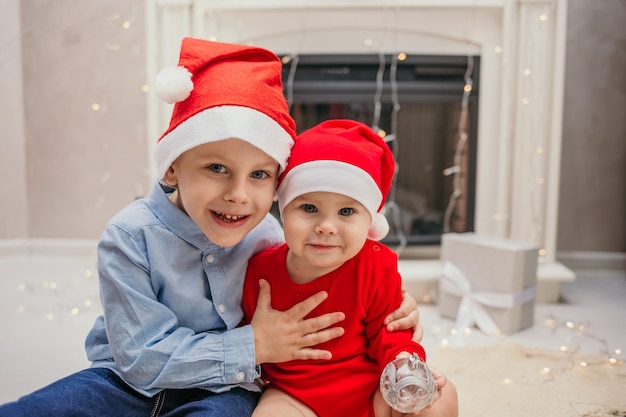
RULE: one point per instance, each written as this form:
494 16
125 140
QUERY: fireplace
419 101
521 46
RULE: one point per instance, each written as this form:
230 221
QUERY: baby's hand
440 380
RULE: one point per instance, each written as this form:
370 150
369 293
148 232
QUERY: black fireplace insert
428 103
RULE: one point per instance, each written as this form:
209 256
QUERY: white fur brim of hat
333 177
219 123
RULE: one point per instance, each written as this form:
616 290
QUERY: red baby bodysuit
366 288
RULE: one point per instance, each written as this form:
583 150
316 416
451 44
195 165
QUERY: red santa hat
344 157
224 91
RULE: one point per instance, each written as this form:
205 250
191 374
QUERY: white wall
66 169
13 174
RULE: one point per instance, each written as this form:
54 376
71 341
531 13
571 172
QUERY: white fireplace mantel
522 49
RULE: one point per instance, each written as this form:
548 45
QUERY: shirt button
240 376
210 259
221 308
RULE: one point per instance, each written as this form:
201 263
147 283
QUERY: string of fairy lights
61 299
462 137
70 297
578 345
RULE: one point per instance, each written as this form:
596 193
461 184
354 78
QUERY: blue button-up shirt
172 301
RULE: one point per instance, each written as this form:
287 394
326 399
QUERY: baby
330 199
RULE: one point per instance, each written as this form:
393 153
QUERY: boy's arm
151 349
405 317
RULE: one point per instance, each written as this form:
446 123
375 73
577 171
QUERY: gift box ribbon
472 308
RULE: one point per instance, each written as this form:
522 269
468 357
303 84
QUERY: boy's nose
237 192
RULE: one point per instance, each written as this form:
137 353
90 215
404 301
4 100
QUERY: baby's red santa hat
224 91
344 157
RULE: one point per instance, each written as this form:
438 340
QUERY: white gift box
488 282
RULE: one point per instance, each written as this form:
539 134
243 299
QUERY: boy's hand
407 316
281 336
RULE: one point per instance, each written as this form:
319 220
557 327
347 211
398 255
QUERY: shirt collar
176 220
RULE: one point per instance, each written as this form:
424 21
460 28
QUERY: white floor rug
512 380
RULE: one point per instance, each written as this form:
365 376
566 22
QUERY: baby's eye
259 175
346 211
309 208
219 168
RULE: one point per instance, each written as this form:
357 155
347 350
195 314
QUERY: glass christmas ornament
407 384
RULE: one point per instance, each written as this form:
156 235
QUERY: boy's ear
170 177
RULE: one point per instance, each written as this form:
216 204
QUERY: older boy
171 266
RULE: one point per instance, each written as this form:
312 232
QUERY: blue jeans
100 392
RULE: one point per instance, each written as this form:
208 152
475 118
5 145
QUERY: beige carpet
510 380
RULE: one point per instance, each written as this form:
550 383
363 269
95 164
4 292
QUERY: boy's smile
226 187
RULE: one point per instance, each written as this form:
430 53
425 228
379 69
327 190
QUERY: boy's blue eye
309 208
346 211
219 168
259 175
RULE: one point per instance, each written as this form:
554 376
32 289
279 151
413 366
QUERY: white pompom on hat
173 84
344 157
224 91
